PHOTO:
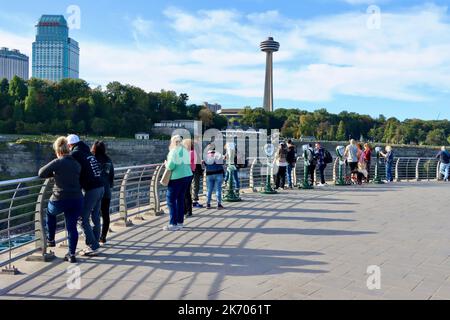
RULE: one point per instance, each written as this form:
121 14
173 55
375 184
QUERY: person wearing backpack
99 151
92 185
291 160
322 160
444 158
311 162
215 172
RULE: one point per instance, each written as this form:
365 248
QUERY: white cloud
214 53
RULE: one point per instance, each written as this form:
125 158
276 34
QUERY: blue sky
333 54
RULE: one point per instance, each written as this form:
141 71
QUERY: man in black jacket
291 160
92 185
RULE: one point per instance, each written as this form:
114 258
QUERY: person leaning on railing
92 185
99 151
389 160
444 158
66 196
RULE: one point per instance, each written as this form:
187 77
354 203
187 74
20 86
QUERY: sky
372 57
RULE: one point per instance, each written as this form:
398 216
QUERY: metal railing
136 194
404 170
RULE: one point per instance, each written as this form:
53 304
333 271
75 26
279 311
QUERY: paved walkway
295 245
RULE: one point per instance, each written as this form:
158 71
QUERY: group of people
358 157
186 171
83 178
285 160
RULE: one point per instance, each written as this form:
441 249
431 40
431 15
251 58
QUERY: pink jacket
193 162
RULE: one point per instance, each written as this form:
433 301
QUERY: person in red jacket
367 159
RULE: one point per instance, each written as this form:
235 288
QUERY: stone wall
19 160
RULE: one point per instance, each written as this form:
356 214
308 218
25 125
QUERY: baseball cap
73 139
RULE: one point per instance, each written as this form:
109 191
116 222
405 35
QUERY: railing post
417 170
335 171
294 175
438 171
39 227
205 185
155 208
252 177
139 217
123 206
397 174
11 269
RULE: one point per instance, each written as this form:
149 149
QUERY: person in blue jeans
444 158
92 185
66 196
291 160
179 163
214 176
389 161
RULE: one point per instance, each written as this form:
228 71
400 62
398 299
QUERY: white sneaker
180 226
170 227
88 252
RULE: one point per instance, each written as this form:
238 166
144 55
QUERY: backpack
311 158
328 157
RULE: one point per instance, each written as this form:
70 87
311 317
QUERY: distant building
142 136
233 116
231 113
308 139
213 107
168 126
13 63
55 55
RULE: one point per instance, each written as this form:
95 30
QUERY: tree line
72 106
323 125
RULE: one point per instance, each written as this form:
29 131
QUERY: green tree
341 134
436 137
206 117
18 89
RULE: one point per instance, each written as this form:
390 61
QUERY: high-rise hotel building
13 63
55 55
